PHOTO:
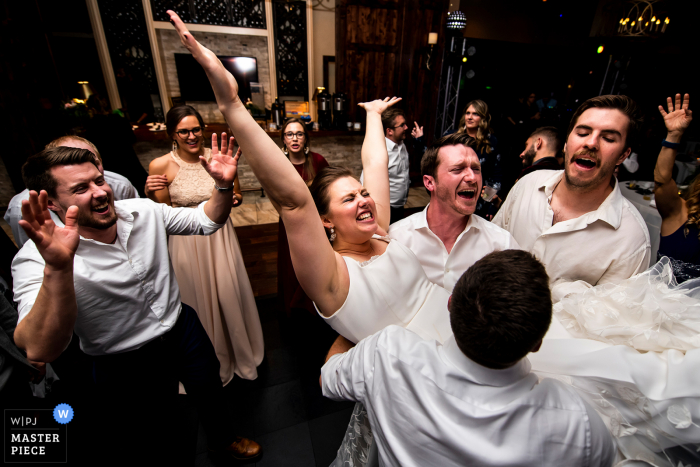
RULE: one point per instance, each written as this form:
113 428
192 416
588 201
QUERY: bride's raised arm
375 159
317 266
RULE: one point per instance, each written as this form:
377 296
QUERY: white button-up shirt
607 245
478 239
430 405
120 185
126 292
399 180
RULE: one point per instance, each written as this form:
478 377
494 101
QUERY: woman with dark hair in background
296 146
680 218
209 270
476 122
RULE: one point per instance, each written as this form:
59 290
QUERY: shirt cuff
208 225
329 377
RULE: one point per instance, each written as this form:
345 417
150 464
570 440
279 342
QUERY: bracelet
670 145
223 190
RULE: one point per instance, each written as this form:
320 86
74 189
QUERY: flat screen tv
194 84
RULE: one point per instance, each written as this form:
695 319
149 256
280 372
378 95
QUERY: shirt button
129 260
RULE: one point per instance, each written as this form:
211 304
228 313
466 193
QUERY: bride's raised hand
223 165
223 82
379 105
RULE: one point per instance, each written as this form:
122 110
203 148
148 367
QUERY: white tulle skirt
632 350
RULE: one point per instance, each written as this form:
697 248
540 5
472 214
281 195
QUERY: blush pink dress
213 280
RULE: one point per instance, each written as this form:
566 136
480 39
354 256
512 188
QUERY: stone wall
221 44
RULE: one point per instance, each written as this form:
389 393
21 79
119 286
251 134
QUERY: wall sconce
432 40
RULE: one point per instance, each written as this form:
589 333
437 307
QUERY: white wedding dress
391 288
632 351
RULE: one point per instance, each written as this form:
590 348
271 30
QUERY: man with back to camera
447 237
576 220
104 270
542 150
473 399
120 185
395 132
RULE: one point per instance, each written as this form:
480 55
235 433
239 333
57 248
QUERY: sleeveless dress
683 249
391 289
632 351
213 280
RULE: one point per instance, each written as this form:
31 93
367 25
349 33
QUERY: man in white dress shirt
120 185
447 237
395 132
576 220
104 271
473 400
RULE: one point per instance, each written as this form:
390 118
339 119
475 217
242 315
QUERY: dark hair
36 172
622 103
308 171
553 136
63 141
175 116
321 184
483 143
497 324
429 162
389 117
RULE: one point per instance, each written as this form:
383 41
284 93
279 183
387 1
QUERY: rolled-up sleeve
188 221
27 277
345 376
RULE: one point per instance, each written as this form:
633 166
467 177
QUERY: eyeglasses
196 131
290 135
403 125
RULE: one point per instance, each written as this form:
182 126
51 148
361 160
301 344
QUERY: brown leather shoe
244 449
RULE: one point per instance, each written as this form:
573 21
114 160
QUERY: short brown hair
389 117
622 103
552 135
429 162
63 141
496 325
36 172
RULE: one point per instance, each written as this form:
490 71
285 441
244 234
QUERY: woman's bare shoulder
160 165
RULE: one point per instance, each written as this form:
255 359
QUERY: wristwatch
668 144
223 190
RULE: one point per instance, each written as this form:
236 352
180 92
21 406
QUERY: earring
306 149
285 150
332 237
175 146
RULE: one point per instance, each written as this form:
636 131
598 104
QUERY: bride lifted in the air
359 280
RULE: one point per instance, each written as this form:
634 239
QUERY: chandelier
641 20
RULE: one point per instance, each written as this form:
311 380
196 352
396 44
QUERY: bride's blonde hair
692 202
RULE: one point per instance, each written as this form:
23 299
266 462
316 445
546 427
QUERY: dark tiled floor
283 409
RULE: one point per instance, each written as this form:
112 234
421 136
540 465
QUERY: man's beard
604 175
529 158
85 219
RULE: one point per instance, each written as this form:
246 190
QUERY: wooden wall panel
381 48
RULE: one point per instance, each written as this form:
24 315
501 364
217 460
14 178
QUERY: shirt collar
390 145
609 211
125 222
422 221
480 374
546 160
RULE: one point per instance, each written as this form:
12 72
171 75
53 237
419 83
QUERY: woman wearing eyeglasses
295 145
209 270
